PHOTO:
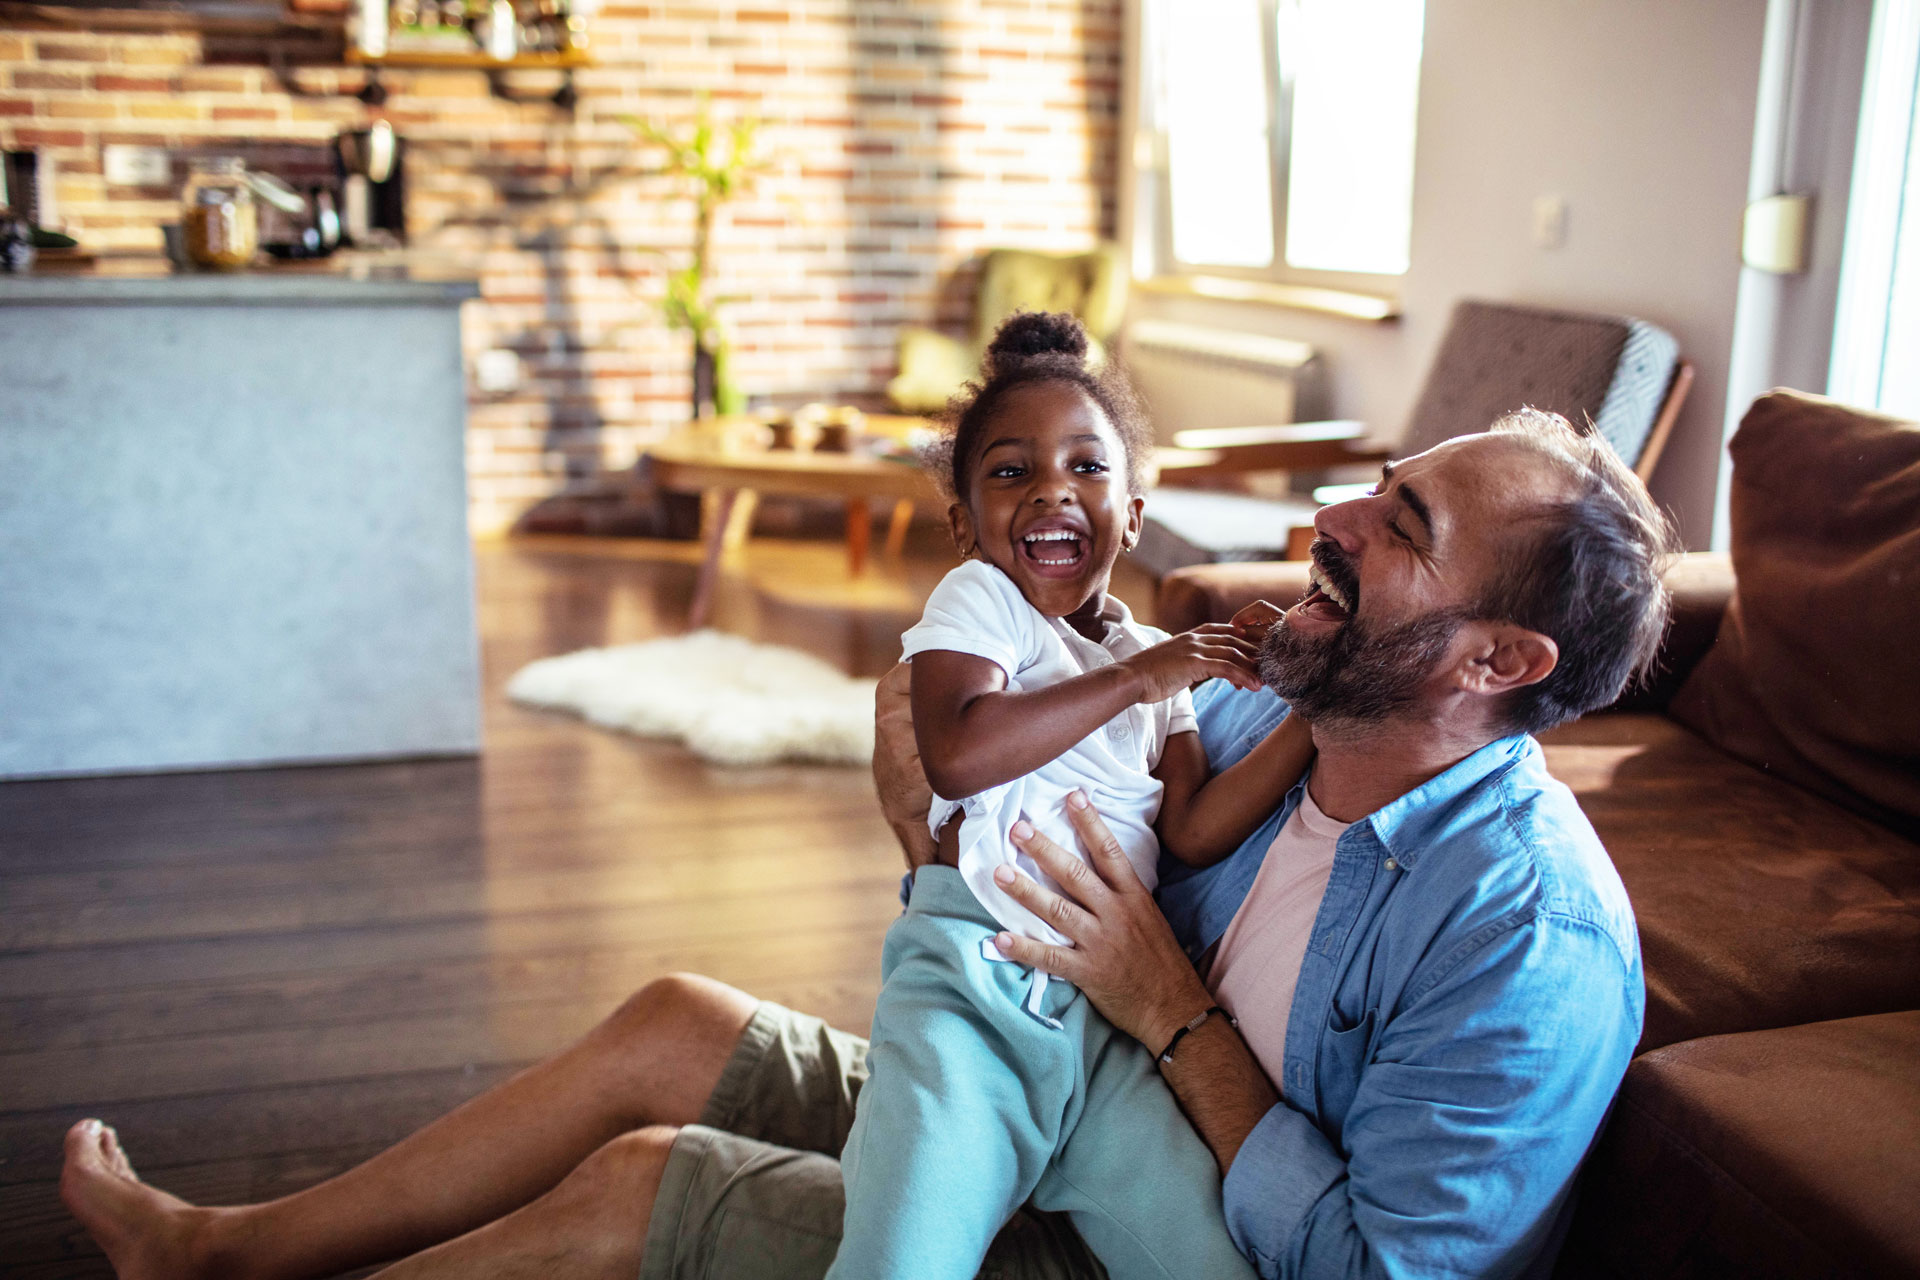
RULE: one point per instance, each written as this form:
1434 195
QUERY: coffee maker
373 201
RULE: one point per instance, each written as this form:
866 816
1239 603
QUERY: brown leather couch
1761 799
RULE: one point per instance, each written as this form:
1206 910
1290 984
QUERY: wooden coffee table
726 458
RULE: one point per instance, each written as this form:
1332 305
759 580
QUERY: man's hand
905 796
1124 955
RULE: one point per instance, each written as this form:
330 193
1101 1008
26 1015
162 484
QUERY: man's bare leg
593 1226
653 1062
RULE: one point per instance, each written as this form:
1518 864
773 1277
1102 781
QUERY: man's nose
1340 523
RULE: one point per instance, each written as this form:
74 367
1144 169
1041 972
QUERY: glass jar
219 221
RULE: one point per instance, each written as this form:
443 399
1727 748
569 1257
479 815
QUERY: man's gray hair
1584 570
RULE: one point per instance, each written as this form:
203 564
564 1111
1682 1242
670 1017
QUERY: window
1877 327
1277 138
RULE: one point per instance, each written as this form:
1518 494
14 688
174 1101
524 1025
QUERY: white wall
1640 113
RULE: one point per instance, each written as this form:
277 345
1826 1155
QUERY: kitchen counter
233 519
149 282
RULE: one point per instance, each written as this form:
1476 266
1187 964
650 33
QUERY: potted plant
717 164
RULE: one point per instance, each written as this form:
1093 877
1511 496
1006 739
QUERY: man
1462 994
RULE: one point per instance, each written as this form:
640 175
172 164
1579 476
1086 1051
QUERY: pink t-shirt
1258 964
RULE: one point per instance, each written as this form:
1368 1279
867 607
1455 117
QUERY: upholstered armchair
1092 286
1621 374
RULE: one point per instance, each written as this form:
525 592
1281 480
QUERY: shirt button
1392 865
1118 731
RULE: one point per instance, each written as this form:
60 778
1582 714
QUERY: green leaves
715 164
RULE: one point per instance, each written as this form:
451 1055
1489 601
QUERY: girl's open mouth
1054 553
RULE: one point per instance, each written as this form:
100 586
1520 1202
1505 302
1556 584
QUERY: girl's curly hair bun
1035 347
1031 335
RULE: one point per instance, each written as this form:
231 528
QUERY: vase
704 380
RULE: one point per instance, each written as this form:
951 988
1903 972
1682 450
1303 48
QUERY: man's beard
1358 675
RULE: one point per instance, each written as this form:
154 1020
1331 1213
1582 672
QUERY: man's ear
960 526
1503 657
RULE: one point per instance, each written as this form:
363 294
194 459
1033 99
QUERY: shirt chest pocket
1345 1051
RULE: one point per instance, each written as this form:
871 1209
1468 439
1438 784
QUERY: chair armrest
1295 446
1215 592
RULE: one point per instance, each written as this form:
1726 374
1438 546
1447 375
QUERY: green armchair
1091 285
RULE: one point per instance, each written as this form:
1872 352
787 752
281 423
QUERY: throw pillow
1816 672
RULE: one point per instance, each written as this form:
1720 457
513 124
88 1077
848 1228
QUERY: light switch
1773 236
1549 222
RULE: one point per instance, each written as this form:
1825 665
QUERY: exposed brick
908 138
171 110
105 82
82 109
155 55
49 138
75 49
218 80
49 80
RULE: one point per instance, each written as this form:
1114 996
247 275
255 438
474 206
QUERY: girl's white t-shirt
978 610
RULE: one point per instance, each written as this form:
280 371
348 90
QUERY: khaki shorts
753 1192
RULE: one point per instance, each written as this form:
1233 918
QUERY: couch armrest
1701 583
1702 586
1215 592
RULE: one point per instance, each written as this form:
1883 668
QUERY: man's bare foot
146 1234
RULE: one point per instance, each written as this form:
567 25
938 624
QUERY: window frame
1151 194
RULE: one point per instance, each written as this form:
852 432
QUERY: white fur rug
729 700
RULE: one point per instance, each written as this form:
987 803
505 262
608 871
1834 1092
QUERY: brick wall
907 136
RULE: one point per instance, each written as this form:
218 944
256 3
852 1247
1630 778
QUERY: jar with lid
219 220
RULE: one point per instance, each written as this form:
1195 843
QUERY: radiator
1196 376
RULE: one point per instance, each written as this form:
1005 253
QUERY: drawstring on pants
1035 991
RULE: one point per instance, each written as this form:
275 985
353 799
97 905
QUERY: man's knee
607 1200
632 1161
679 1005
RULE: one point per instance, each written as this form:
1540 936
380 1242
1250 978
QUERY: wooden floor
263 976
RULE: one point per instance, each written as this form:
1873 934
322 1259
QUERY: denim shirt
1469 1000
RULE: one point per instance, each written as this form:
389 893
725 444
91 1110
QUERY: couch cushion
1215 592
1786 1153
1816 674
1759 904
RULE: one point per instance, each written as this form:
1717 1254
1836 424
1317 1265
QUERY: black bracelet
1166 1054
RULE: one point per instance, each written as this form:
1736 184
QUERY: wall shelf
424 59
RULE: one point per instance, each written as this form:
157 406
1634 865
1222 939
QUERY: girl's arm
975 733
1203 819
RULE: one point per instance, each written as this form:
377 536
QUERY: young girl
990 1086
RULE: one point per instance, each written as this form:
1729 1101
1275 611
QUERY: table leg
897 527
717 508
859 534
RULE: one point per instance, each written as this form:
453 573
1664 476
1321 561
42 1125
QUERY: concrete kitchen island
233 524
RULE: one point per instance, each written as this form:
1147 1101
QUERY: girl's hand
1257 619
1124 955
1219 649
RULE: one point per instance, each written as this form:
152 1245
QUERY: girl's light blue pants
976 1105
